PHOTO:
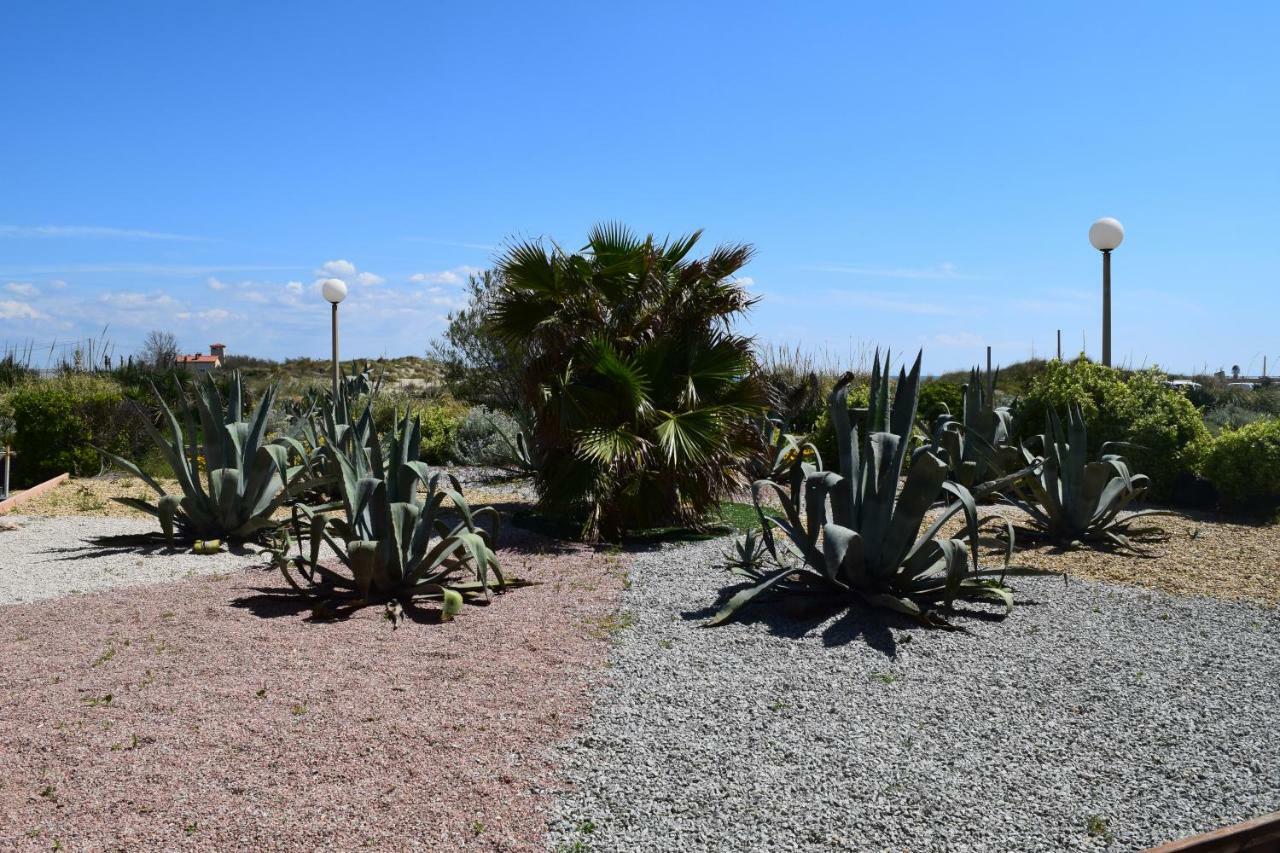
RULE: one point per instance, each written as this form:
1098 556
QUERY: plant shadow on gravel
796 618
275 603
149 544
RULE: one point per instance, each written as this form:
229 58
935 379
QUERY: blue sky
911 174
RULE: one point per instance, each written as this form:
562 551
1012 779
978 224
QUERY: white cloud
894 304
90 231
58 284
347 271
137 301
452 277
294 287
22 288
338 269
215 283
962 340
213 315
12 309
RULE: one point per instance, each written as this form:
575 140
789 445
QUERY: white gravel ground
51 557
1095 717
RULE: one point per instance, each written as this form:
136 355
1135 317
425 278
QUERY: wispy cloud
92 232
451 277
22 288
895 304
142 269
12 309
940 271
479 247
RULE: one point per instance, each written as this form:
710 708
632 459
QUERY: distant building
199 364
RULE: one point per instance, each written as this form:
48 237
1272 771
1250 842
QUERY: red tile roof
198 359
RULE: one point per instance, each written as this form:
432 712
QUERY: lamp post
334 290
1106 234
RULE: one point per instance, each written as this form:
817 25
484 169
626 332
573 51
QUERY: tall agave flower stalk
1072 501
395 544
245 478
852 532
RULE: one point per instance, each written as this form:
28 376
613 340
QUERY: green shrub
440 419
58 419
1167 430
487 437
1231 415
936 394
1138 407
1244 466
823 436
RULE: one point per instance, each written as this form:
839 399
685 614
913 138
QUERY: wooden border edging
1260 834
34 492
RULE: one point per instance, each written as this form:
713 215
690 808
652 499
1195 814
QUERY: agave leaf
747 595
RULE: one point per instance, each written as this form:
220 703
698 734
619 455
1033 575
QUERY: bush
1138 408
936 394
440 421
1244 466
57 420
824 436
478 365
1231 415
486 437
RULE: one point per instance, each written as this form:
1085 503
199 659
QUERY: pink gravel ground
246 726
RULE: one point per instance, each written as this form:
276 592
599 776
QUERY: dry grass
1204 555
93 496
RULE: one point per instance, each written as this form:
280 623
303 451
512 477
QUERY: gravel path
1095 717
50 557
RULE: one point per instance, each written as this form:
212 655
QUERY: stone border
34 492
1259 834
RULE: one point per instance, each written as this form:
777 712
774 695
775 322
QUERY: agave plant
1070 500
978 448
245 477
850 532
396 544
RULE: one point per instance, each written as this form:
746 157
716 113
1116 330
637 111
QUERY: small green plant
1099 827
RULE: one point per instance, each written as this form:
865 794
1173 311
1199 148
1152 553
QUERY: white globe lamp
334 290
1106 234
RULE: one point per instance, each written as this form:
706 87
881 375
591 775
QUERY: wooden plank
1257 835
34 492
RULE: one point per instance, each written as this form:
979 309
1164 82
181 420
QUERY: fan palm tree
642 394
